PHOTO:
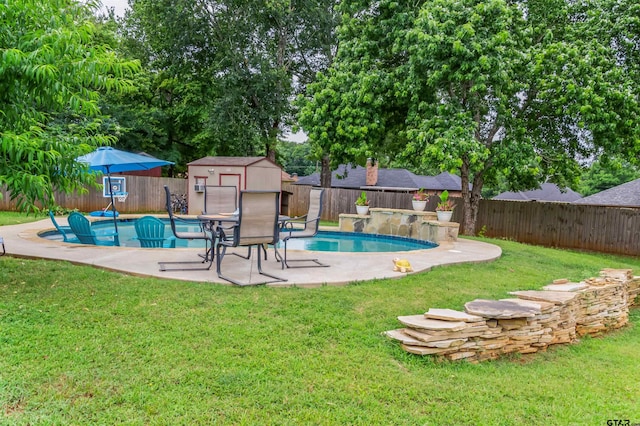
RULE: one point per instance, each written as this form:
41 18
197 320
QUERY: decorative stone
555 297
404 338
499 309
565 287
422 323
528 324
451 315
421 350
542 306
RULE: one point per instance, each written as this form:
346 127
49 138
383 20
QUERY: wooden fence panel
577 226
146 194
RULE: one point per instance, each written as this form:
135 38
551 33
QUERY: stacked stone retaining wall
529 322
421 225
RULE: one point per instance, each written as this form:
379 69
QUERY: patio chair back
220 199
81 227
150 233
200 234
65 231
312 222
257 226
310 225
258 218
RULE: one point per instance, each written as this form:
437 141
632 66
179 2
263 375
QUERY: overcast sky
118 5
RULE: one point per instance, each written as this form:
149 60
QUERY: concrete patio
23 241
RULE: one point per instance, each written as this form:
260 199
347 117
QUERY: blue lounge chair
81 226
150 233
3 249
65 231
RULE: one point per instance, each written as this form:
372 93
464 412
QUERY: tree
235 64
490 88
606 173
296 158
51 76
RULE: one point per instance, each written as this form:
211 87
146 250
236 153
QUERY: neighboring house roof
346 176
627 194
546 192
228 161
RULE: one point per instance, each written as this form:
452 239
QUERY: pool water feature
329 241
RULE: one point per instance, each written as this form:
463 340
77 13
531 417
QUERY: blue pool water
324 241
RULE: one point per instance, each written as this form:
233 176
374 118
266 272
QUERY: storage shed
245 173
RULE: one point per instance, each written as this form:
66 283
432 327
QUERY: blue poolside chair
81 226
65 231
3 249
150 233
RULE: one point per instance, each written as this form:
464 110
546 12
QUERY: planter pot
419 205
362 210
444 216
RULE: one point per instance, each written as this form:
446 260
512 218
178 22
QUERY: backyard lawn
83 346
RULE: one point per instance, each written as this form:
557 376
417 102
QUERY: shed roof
546 192
627 194
229 161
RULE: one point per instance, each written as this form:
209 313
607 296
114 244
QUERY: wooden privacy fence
596 228
340 200
146 194
605 229
577 226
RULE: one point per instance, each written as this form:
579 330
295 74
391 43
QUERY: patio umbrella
109 160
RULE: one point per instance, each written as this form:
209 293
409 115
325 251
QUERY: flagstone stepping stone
403 338
555 297
422 323
451 315
499 309
566 287
543 306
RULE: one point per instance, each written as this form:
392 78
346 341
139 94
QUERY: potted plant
419 200
444 210
362 204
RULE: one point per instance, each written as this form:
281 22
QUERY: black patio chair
257 226
303 227
202 234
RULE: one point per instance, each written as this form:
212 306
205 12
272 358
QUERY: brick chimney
372 173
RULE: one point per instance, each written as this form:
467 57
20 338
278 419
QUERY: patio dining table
215 224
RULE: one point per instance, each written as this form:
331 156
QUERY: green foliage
80 346
362 200
606 173
226 71
445 204
296 158
499 91
51 77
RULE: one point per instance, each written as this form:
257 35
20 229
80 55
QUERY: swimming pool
325 240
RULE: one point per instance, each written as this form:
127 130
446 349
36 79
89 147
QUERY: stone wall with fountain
421 225
528 322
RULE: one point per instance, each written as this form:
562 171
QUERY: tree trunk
471 198
325 172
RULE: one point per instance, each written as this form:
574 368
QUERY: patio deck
23 241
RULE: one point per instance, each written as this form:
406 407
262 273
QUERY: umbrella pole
113 204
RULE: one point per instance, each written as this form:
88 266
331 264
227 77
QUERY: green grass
83 346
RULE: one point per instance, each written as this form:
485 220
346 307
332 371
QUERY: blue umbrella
109 160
